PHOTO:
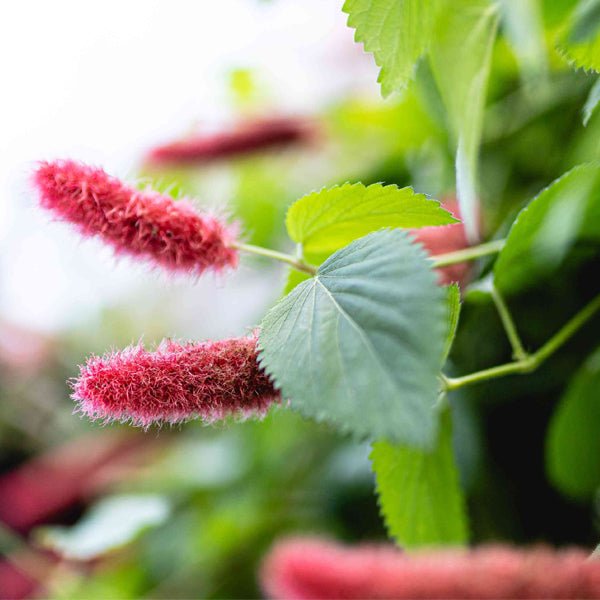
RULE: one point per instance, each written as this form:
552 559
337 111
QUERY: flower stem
297 263
532 361
510 328
466 254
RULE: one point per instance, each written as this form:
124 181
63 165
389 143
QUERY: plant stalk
532 361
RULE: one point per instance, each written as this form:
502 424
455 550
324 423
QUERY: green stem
510 328
533 361
441 260
297 263
472 253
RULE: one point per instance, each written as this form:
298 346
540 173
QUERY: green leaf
453 308
580 43
360 344
523 26
460 59
397 32
573 443
329 219
592 102
111 523
544 231
419 492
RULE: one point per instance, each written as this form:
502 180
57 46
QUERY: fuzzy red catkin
313 569
175 383
144 224
253 136
447 238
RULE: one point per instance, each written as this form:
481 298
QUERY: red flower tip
177 382
143 224
305 569
249 137
447 238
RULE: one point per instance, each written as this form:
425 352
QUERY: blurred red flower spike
249 137
447 238
311 569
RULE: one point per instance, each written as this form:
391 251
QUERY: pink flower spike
254 136
447 238
176 383
144 224
309 569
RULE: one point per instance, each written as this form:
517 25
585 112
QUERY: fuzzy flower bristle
313 569
175 383
143 224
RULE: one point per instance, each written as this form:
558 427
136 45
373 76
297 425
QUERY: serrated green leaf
419 492
327 220
592 102
544 231
397 32
460 57
453 308
573 443
360 344
580 43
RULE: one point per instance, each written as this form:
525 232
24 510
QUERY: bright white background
101 81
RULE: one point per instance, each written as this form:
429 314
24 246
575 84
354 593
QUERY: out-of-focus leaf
524 29
580 43
397 32
573 444
329 219
419 492
453 304
110 524
461 54
592 102
360 344
544 230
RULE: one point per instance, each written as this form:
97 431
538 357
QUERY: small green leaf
592 102
419 492
453 304
360 344
544 231
329 219
573 443
397 32
111 523
580 43
460 56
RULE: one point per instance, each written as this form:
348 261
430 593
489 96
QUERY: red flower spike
250 137
315 569
447 238
142 224
177 382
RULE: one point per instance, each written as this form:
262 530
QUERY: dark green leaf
567 210
453 304
573 445
360 344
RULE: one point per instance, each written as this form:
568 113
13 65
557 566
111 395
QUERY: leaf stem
510 328
532 361
297 263
466 254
